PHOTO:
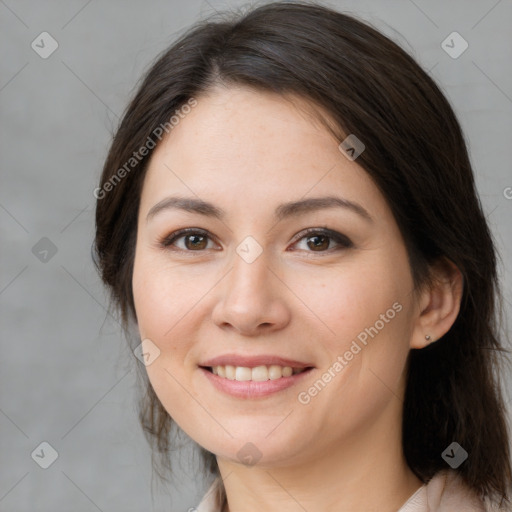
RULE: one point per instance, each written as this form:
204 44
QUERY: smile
258 373
257 382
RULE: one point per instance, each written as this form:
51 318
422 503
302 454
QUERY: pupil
196 241
318 244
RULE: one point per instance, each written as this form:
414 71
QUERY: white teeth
258 373
242 373
230 372
275 372
287 371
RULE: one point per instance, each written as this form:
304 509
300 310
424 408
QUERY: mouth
257 382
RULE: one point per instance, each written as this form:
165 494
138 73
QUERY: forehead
256 123
256 146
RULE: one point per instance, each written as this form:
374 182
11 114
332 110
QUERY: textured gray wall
66 374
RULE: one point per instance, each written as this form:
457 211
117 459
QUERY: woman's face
249 281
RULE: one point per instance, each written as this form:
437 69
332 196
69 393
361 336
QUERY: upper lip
252 361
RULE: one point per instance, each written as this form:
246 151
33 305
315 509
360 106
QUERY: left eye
320 240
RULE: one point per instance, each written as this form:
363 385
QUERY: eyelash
343 241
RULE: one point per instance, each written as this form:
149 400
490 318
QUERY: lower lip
253 389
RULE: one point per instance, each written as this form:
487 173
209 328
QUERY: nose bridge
250 280
251 296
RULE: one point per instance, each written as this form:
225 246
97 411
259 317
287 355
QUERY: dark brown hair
416 155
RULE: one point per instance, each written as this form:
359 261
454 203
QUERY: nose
252 299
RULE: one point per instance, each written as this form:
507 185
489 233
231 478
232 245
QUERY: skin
246 152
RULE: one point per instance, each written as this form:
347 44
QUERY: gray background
66 375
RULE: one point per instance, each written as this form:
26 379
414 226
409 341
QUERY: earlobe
439 304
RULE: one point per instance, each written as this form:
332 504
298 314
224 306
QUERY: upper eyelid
320 230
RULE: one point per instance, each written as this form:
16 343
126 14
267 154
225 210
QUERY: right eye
194 240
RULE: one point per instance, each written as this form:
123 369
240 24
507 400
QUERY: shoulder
446 492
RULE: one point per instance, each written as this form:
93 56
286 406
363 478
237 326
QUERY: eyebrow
283 211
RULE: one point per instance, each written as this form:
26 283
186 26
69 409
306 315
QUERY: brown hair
416 155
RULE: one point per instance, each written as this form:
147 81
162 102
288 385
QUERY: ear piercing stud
427 337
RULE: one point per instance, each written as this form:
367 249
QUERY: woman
288 219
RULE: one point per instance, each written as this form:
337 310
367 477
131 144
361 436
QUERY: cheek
162 310
161 307
164 296
362 364
366 306
352 297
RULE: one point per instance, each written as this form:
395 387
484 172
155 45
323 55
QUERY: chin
259 449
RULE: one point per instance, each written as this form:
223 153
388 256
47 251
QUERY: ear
438 304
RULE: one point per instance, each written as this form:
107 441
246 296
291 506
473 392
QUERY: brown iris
323 244
199 241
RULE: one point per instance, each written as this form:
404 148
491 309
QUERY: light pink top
445 492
